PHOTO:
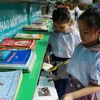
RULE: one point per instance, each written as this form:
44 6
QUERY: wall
13 16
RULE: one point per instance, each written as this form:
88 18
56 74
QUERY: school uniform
63 45
84 68
76 10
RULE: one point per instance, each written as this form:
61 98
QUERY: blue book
17 59
9 84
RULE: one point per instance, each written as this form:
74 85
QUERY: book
42 20
28 36
10 82
45 90
36 27
46 66
17 59
46 16
17 44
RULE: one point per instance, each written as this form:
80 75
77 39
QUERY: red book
17 44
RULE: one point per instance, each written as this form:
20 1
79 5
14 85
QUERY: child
62 42
76 10
84 66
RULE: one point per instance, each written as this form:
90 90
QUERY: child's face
60 27
89 36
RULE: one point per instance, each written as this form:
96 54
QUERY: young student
84 66
76 10
62 42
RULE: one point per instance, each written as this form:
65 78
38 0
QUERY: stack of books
12 63
17 59
40 24
8 43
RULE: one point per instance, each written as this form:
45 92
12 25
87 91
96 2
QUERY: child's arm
47 54
82 92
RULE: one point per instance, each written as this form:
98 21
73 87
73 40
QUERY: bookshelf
16 14
30 80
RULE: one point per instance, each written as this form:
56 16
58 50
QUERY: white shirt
63 44
85 65
76 9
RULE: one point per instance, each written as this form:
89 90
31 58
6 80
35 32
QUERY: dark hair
59 3
61 15
91 17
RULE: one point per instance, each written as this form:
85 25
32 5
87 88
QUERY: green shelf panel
29 81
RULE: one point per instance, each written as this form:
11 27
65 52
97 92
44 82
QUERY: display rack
14 15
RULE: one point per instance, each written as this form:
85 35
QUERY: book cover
10 82
17 59
36 27
46 66
28 36
17 44
45 90
43 20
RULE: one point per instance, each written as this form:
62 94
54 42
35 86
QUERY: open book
9 84
45 90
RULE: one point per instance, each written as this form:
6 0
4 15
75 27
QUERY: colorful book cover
17 44
17 59
36 27
28 36
45 90
9 84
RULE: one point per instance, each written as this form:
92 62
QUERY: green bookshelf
29 82
14 16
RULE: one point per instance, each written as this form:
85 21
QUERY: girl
84 66
62 42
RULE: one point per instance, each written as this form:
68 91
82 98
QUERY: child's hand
66 62
53 77
47 57
67 97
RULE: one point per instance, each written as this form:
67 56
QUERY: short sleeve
95 70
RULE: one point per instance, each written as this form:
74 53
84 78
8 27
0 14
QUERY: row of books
20 41
12 63
17 55
41 24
